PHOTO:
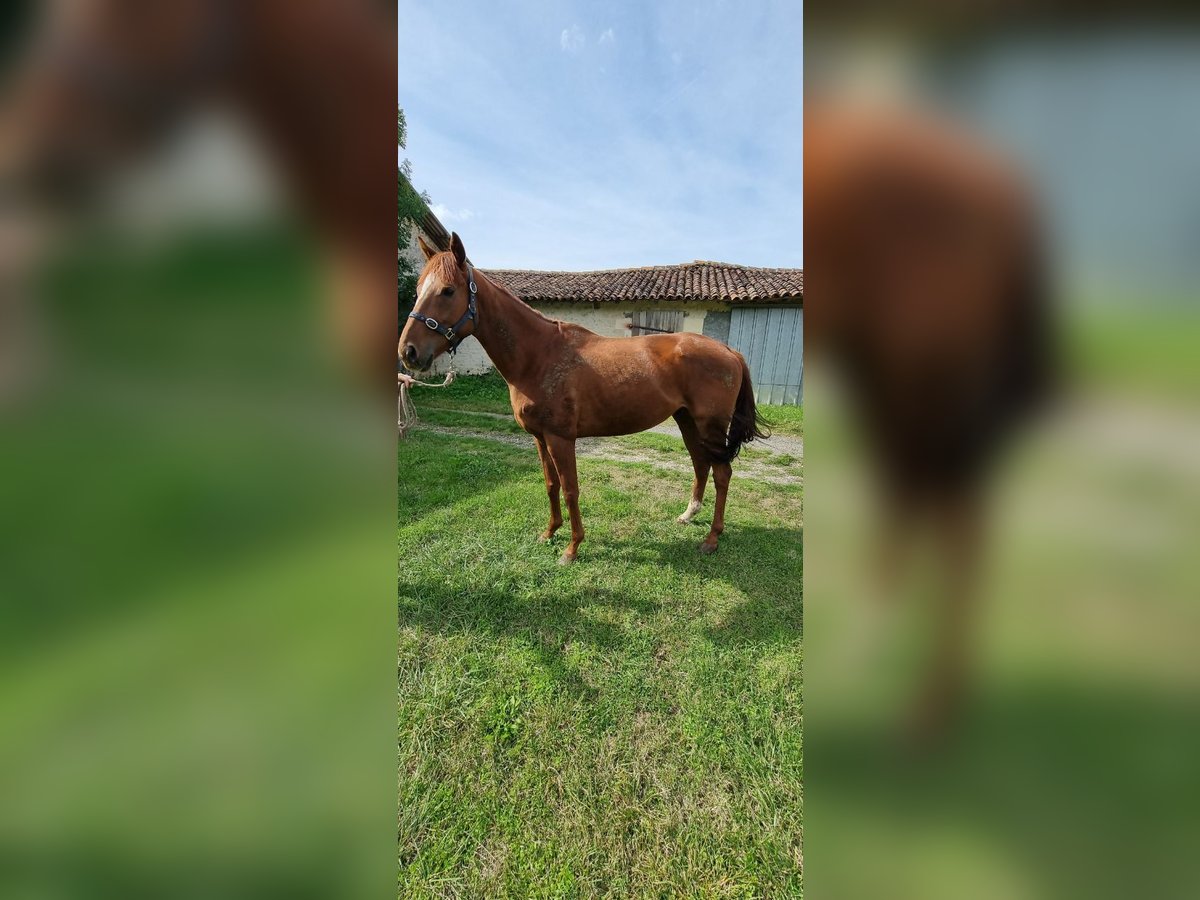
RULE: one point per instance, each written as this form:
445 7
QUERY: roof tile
695 281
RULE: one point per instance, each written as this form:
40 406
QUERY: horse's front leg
562 453
552 486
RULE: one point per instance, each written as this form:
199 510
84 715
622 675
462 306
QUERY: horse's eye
447 291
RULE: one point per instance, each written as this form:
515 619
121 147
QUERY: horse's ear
429 252
456 247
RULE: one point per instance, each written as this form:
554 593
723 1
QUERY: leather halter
452 334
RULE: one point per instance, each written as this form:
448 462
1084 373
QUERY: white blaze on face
425 289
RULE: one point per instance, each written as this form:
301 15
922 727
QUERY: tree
410 206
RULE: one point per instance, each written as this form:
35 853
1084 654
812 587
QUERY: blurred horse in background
927 292
103 83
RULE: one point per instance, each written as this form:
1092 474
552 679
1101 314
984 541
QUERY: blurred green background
197 638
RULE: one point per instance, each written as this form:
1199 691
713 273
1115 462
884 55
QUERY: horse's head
444 303
104 79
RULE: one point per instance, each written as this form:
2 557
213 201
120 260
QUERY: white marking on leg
690 512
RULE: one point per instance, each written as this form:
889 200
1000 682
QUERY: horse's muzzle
414 360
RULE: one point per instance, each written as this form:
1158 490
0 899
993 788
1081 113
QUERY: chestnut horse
566 382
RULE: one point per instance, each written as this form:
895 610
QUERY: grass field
629 726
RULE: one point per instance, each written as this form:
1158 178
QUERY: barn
757 311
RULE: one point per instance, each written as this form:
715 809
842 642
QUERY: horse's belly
625 417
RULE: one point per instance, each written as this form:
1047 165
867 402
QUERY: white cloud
607 37
448 216
572 39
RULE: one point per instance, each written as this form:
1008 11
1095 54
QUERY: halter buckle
432 324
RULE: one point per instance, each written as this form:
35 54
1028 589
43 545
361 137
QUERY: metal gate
772 340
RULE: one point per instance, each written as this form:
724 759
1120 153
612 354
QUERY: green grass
785 420
629 726
786 460
452 418
473 393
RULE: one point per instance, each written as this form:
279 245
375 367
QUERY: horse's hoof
707 548
544 538
684 520
566 559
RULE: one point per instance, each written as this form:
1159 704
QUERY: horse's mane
506 290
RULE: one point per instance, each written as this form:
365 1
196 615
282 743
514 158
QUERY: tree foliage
410 205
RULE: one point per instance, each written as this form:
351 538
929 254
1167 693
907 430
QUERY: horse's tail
747 424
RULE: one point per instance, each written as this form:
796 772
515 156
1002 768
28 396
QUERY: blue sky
561 135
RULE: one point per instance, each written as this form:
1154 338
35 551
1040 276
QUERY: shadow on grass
540 606
547 624
762 563
548 612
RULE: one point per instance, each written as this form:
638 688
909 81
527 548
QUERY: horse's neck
518 339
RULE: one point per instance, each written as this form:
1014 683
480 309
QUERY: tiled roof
697 281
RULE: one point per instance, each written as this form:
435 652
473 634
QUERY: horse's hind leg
700 462
707 433
722 472
714 431
552 487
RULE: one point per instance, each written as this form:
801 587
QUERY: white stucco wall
469 360
607 319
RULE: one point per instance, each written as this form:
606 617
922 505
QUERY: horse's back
688 370
678 359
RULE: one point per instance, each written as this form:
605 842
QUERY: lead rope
406 413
